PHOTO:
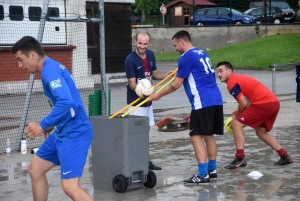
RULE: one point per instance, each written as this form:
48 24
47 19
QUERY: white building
20 18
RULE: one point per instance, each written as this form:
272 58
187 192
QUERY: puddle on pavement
177 160
14 171
176 157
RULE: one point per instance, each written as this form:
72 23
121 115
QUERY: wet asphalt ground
174 153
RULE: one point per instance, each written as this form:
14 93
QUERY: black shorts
207 121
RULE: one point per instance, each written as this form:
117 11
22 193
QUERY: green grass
254 54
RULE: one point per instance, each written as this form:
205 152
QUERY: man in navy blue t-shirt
196 74
69 143
141 64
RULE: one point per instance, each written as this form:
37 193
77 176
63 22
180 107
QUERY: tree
145 7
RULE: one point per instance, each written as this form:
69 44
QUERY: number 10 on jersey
207 65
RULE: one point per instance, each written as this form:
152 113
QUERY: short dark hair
27 44
226 64
182 35
142 32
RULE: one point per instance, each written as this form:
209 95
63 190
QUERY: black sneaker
197 180
236 163
153 167
284 160
212 174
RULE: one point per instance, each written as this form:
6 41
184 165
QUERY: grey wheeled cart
120 153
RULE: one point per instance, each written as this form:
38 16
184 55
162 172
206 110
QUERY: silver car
289 13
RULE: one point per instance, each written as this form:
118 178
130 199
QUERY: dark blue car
221 16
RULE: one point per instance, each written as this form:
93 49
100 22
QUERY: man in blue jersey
196 74
141 64
69 143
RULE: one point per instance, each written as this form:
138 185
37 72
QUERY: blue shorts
70 155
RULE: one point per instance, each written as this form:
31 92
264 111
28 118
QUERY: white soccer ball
144 87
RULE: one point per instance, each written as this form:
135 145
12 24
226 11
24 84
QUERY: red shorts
260 115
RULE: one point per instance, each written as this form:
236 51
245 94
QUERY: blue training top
199 79
139 68
68 113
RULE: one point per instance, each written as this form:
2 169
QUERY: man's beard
143 51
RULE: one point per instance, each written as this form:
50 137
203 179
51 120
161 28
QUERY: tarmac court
174 153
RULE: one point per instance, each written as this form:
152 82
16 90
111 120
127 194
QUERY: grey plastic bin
120 153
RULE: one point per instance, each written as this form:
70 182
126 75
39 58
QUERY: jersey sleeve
130 68
62 95
235 90
184 68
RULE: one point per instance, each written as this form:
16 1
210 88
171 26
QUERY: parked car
276 15
135 20
221 16
289 13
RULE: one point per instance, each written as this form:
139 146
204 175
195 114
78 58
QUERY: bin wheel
151 180
120 183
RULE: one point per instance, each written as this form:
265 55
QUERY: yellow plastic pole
132 103
147 99
163 80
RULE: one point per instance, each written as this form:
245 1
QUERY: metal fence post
108 77
104 91
32 76
273 79
298 82
273 66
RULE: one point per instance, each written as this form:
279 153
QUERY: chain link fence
65 39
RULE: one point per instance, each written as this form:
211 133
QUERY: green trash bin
95 103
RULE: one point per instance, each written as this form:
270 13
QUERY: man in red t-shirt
260 114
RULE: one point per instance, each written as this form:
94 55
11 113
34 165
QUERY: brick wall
9 70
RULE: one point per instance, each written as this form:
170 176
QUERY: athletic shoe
212 174
284 160
197 180
153 167
236 163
